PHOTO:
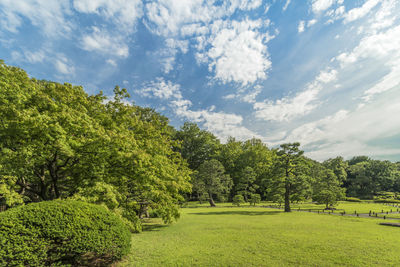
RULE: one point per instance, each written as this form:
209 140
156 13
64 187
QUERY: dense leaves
61 232
55 141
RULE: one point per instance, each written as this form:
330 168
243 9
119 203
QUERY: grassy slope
265 237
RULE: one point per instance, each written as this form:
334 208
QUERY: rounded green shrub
61 232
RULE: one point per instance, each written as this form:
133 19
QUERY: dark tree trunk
211 200
287 197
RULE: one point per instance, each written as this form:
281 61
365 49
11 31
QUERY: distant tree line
284 175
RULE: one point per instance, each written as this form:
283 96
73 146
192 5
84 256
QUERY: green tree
196 145
215 181
56 140
291 172
327 189
339 166
255 199
237 200
246 184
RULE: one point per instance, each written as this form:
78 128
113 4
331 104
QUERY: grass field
243 236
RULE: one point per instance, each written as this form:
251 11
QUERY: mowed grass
244 236
349 207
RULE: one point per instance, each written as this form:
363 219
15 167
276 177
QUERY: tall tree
213 179
290 164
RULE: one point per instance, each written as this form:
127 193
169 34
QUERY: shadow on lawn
153 227
238 212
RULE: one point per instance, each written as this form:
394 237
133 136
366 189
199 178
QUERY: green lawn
349 207
265 237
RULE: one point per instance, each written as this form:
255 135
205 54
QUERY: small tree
246 185
255 199
327 189
237 200
212 175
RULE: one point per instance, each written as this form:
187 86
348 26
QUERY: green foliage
255 199
57 141
8 195
237 200
291 175
61 232
196 145
213 180
246 184
367 178
327 188
353 199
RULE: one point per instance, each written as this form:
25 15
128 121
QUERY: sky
325 73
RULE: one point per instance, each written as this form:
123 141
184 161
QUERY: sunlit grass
243 236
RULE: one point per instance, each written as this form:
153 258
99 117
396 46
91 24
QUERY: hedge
61 232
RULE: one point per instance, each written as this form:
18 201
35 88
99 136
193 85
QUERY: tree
339 166
246 185
196 145
56 140
237 200
291 171
211 174
255 199
327 189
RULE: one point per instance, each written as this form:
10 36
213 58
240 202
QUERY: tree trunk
211 200
287 197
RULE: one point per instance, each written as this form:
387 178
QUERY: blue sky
325 73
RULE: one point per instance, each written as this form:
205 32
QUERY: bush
353 199
61 232
237 200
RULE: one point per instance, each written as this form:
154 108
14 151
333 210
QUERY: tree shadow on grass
238 212
153 227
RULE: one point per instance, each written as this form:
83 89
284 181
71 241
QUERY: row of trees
253 171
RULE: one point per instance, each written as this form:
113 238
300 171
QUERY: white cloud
221 124
311 22
111 62
103 42
47 15
300 28
168 54
327 76
388 82
286 5
286 109
238 52
359 12
301 104
229 40
321 5
167 17
124 13
64 66
250 97
162 89
349 133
